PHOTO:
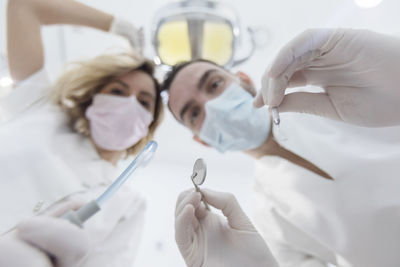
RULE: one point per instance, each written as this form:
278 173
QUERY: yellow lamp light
217 42
173 42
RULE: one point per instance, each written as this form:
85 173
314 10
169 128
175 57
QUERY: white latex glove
210 240
358 69
37 238
115 231
127 30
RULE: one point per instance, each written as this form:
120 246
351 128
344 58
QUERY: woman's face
137 83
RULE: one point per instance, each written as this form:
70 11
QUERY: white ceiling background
169 172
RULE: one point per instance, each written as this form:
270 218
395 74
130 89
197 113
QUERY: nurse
69 136
306 219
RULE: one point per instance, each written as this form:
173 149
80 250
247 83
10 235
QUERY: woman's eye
145 104
116 91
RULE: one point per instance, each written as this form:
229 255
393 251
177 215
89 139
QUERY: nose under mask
232 123
117 122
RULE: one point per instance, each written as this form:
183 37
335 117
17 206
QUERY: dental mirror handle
79 216
202 196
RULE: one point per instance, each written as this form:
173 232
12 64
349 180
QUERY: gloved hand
41 236
210 240
114 232
127 30
358 69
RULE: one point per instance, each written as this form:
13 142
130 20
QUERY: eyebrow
185 108
122 83
142 92
204 78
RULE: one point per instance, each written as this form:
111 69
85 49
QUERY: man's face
195 85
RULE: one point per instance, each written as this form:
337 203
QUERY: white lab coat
311 221
43 160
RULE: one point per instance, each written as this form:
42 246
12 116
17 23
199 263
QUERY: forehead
138 80
184 85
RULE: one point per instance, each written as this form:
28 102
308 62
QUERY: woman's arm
24 19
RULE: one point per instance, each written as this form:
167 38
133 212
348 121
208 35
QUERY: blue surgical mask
232 123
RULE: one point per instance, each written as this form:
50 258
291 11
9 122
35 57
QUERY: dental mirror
199 176
199 172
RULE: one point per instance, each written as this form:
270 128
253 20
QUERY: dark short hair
170 76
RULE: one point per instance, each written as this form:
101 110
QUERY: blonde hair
77 86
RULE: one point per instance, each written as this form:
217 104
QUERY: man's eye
194 114
214 86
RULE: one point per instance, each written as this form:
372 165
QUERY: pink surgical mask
117 122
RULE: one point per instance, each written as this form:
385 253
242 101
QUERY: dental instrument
275 116
79 216
199 176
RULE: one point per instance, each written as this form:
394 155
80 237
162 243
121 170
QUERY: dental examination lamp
193 29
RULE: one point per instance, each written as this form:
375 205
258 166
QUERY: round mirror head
199 172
